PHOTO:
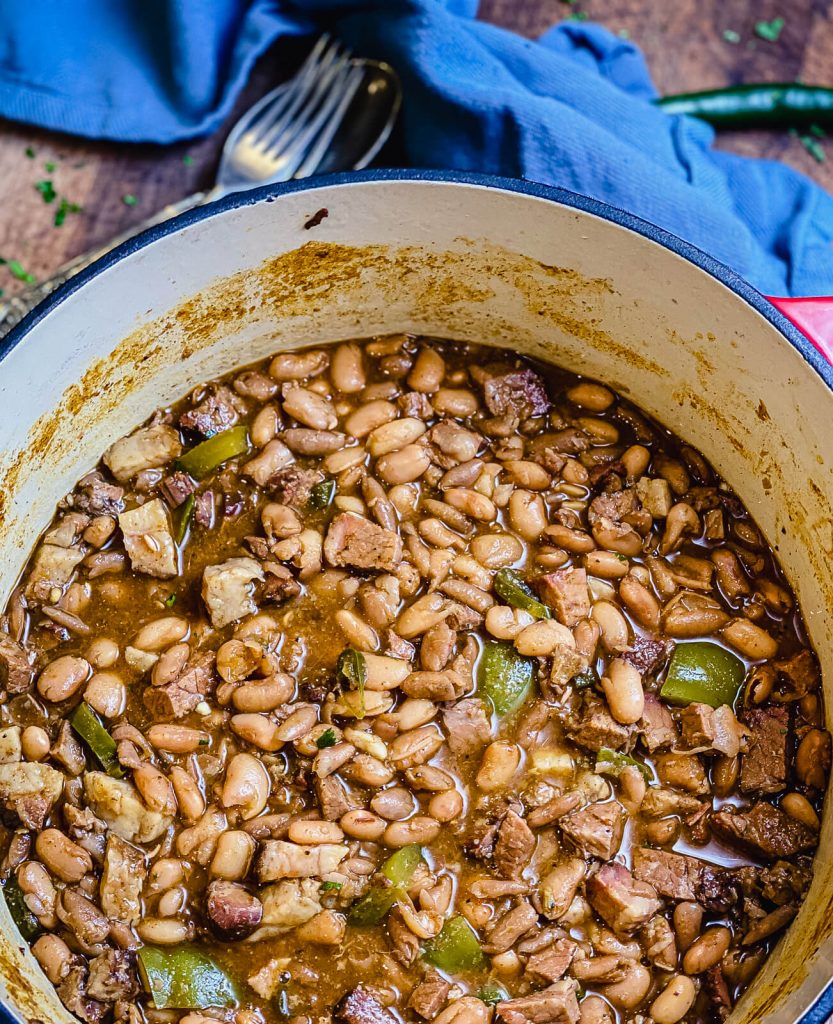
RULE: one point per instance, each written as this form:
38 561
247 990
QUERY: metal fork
284 135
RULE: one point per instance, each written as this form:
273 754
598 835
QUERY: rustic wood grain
683 41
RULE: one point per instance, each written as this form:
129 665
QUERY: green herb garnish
326 739
731 36
329 887
352 665
30 152
769 30
65 207
129 199
47 190
187 159
16 270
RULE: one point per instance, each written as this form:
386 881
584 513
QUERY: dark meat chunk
278 586
204 509
785 882
551 963
521 393
679 877
15 671
181 695
293 486
763 831
514 845
94 495
415 404
612 506
593 727
596 829
113 976
505 931
467 725
556 1004
355 541
233 911
648 655
711 728
219 410
715 987
333 798
565 591
176 488
361 1007
73 994
622 901
656 727
763 768
67 750
430 995
550 450
802 672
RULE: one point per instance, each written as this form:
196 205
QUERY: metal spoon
335 114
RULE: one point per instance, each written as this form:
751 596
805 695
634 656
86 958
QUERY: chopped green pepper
703 672
492 994
91 730
209 454
505 676
182 518
27 924
322 494
584 679
611 762
184 978
513 590
398 869
456 948
352 665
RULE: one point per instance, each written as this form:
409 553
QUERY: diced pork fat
122 878
551 963
67 531
430 995
514 845
16 673
520 393
219 410
30 789
593 727
565 591
287 905
361 1007
10 746
656 727
596 829
233 911
228 589
52 568
467 726
113 976
621 900
763 768
763 831
183 694
354 541
556 1004
648 655
711 728
176 488
280 859
148 539
118 804
147 448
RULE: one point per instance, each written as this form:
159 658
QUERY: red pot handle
813 316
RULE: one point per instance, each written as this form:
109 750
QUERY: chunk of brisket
361 1007
622 901
521 393
763 831
763 768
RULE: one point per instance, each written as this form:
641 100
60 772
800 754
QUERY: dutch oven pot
543 272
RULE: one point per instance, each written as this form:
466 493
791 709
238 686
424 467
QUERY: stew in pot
405 680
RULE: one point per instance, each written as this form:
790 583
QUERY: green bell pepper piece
91 730
611 762
352 665
512 589
210 454
703 672
27 924
398 869
322 494
182 518
184 978
492 994
456 948
505 676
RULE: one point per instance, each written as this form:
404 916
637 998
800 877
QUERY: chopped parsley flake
16 270
813 147
329 887
769 30
49 167
65 207
731 36
30 152
47 190
326 739
577 16
187 159
129 199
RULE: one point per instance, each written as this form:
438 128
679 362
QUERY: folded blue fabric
572 109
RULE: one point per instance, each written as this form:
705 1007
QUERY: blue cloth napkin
572 109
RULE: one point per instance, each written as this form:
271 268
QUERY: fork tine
318 146
297 92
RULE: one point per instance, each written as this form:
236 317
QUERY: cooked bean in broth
405 680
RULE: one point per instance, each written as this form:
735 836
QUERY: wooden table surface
688 43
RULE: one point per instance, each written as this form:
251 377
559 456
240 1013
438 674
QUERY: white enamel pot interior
543 272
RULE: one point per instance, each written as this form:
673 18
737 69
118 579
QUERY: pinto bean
298 365
640 602
812 759
265 426
35 743
188 794
62 678
347 369
457 402
54 956
496 550
615 635
247 785
363 825
527 514
164 931
64 858
800 809
310 832
446 806
161 633
500 762
106 693
310 408
419 829
750 640
594 1010
155 788
176 739
707 950
103 652
506 623
394 804
675 1000
541 638
369 417
258 730
428 371
404 465
628 993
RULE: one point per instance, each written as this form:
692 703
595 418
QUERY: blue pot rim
822 1008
